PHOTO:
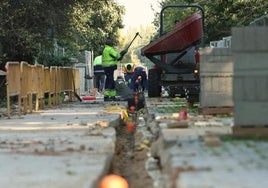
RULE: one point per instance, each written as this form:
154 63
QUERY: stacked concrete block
216 72
250 88
262 21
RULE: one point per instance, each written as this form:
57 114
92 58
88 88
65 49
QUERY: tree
31 29
134 52
94 22
220 15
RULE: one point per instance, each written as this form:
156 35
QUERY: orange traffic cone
113 181
130 126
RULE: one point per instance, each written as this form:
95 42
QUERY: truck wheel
154 88
171 94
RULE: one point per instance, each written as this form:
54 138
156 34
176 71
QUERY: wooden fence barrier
47 84
25 92
13 85
28 82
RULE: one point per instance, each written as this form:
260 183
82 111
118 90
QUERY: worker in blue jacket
139 81
128 71
135 77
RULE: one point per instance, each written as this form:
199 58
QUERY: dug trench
131 152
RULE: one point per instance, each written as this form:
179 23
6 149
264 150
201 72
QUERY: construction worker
110 59
128 71
139 79
135 77
99 75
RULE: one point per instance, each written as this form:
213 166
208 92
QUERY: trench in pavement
129 160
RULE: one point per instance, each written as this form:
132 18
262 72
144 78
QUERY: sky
138 12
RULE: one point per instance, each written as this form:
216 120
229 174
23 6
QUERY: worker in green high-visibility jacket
110 59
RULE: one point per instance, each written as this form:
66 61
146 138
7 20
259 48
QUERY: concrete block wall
250 86
216 73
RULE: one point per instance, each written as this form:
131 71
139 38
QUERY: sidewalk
66 147
73 146
205 154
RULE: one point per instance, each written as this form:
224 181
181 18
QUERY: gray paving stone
63 147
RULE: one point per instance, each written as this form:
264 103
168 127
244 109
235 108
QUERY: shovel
137 34
75 94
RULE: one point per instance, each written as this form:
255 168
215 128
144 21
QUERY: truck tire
154 88
171 94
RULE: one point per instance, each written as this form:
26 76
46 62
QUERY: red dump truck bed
186 33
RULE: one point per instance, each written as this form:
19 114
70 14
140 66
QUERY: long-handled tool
137 34
123 52
75 94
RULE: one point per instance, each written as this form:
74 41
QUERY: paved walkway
206 154
73 146
64 147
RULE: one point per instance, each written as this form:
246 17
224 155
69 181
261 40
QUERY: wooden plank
216 110
46 80
13 78
13 82
53 73
25 85
256 131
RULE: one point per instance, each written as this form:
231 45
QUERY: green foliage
220 15
51 60
134 52
29 29
172 14
95 22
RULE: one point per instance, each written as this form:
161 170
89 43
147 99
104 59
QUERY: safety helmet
129 67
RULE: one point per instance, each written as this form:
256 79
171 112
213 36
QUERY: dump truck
175 56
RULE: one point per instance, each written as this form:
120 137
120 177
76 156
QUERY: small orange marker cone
130 126
183 114
113 181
